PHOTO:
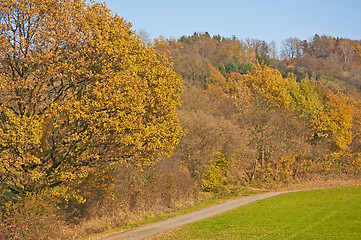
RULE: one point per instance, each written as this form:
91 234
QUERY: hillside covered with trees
267 119
100 129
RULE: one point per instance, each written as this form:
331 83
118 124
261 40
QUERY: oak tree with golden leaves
78 90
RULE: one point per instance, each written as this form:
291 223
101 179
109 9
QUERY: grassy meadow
318 214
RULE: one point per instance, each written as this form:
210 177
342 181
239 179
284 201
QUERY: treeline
290 120
333 61
93 134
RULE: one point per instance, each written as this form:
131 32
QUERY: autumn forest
101 127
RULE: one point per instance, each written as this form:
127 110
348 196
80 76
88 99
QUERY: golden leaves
79 90
269 82
340 118
331 114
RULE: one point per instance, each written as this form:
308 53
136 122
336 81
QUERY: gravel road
165 225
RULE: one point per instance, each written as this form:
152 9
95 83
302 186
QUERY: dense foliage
78 90
290 120
79 94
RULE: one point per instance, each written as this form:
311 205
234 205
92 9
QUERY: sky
265 20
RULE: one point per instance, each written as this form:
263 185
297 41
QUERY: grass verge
165 216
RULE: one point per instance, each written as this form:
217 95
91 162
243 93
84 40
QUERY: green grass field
319 214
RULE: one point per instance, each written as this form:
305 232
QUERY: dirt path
165 225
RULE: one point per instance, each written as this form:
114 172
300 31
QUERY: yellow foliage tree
308 102
78 90
340 118
216 172
268 82
331 114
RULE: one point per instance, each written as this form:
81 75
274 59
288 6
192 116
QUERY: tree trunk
254 171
